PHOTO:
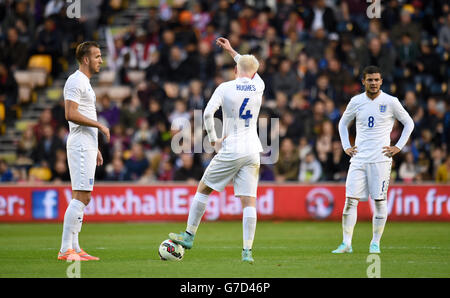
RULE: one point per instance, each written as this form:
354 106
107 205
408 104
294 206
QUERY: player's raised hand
224 43
105 131
390 151
351 151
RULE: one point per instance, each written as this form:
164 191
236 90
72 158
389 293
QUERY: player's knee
350 203
204 189
380 207
248 201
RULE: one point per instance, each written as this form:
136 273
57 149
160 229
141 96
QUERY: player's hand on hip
390 151
99 158
105 131
351 151
218 144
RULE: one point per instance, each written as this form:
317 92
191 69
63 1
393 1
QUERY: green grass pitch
281 249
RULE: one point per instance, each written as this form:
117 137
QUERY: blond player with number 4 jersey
371 156
238 158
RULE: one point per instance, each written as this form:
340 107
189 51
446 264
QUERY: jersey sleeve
347 117
213 105
72 92
408 124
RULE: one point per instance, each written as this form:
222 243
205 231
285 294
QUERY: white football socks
73 219
196 212
349 216
379 220
248 226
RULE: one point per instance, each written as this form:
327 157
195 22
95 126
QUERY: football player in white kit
371 157
82 146
239 156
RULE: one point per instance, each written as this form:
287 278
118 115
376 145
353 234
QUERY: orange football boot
70 255
87 256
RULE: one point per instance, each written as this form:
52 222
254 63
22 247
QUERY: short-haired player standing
83 154
238 159
371 157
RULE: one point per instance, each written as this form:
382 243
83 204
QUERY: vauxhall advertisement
124 202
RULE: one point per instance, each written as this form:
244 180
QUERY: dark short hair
370 70
84 48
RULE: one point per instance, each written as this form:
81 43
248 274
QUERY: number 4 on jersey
247 116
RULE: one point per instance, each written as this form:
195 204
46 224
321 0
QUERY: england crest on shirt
383 108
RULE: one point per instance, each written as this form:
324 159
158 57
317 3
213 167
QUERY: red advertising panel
170 202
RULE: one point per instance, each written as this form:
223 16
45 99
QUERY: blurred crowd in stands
311 54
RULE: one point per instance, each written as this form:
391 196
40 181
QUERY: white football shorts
243 171
82 164
364 179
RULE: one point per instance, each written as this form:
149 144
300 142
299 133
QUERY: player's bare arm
72 114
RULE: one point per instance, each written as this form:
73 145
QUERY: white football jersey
240 100
374 121
79 89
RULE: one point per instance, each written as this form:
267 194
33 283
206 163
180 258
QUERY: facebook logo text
45 204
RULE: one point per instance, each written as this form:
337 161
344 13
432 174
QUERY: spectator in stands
294 23
188 171
378 55
138 163
286 168
117 171
320 16
49 42
131 111
47 146
13 51
222 16
196 100
444 34
155 70
9 91
180 117
310 169
323 90
60 172
443 172
120 140
408 169
90 15
292 46
26 147
109 110
407 51
21 18
336 166
438 158
6 175
285 79
143 134
315 47
206 62
406 25
324 141
426 66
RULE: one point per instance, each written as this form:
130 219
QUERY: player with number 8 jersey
371 157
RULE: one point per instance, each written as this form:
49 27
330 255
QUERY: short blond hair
248 64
